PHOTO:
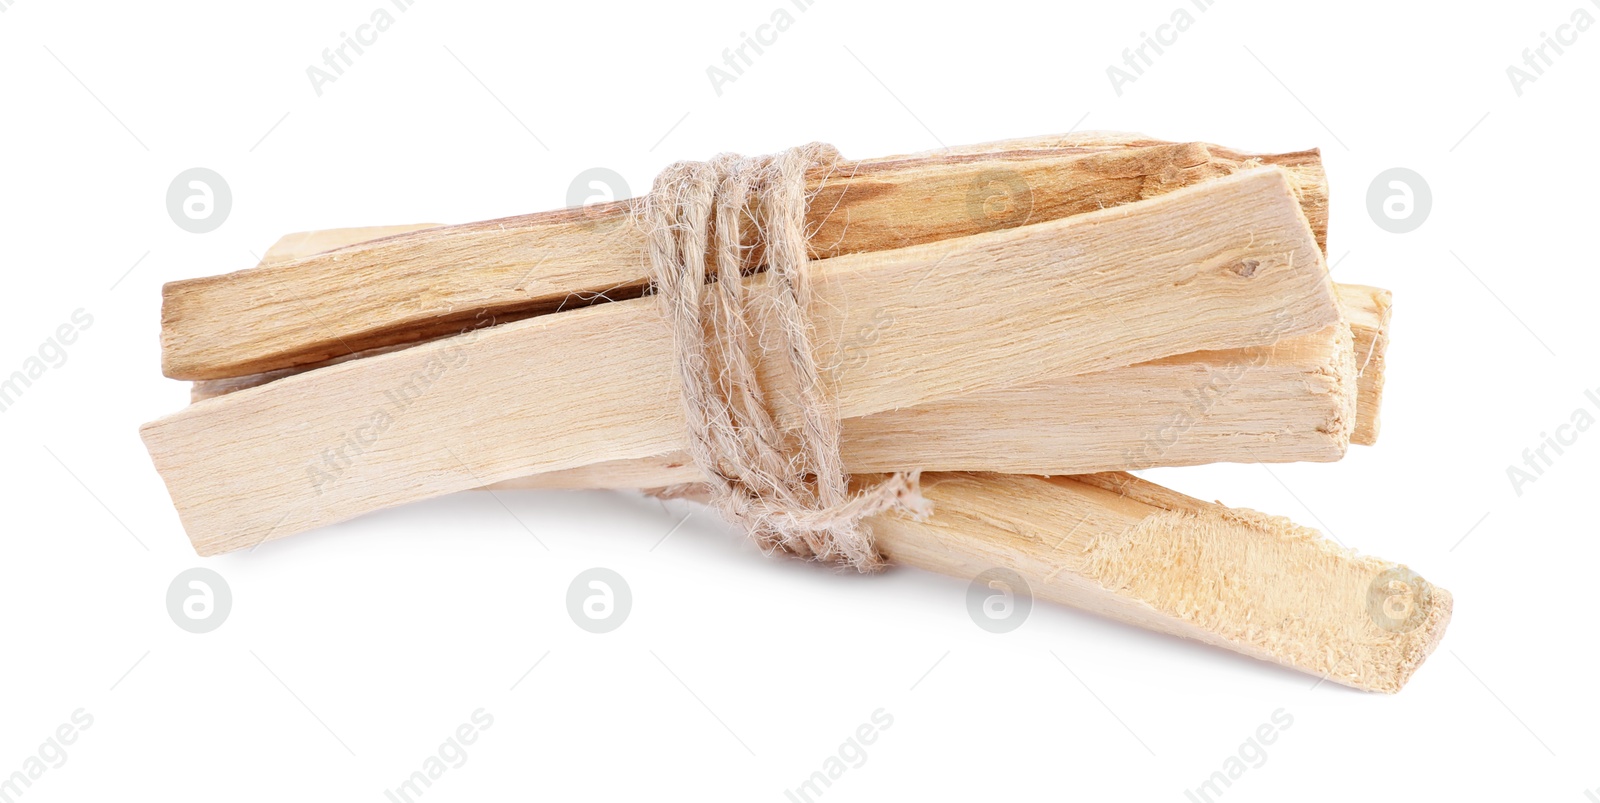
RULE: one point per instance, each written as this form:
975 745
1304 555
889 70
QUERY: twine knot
787 488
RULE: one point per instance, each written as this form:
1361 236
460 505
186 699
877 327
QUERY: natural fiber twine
787 489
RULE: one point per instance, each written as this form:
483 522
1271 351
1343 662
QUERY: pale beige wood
1191 409
1290 401
1367 309
1134 551
301 244
1215 403
1304 168
1204 267
202 389
1294 400
414 286
289 248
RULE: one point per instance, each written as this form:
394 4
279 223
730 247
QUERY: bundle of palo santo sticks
1020 321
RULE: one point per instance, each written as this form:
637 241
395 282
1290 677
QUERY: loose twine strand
787 489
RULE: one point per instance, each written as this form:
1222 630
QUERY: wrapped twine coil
788 490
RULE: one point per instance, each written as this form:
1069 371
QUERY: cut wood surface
301 244
1279 403
1134 551
1291 401
1224 264
1305 169
1191 409
1294 400
421 284
1270 404
1367 310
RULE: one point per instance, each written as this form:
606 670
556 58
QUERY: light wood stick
1247 405
301 244
1282 403
1367 309
417 285
1204 267
1230 406
1166 409
1304 168
1294 400
1134 551
1291 401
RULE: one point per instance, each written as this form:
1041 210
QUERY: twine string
787 488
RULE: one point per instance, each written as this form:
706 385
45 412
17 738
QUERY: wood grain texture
1278 403
1368 310
1263 403
1304 168
1134 551
1365 309
1294 400
301 244
422 284
1224 264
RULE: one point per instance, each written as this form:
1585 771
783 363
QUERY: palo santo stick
301 244
1183 424
414 286
1134 551
1198 268
1367 310
1207 419
1304 168
1368 320
1288 402
1277 404
1292 401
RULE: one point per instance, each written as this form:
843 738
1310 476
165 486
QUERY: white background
353 652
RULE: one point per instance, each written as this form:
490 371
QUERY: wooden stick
1247 405
1292 401
1367 309
1131 550
1304 168
302 244
1186 409
413 286
1276 404
1262 404
1134 551
1225 264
